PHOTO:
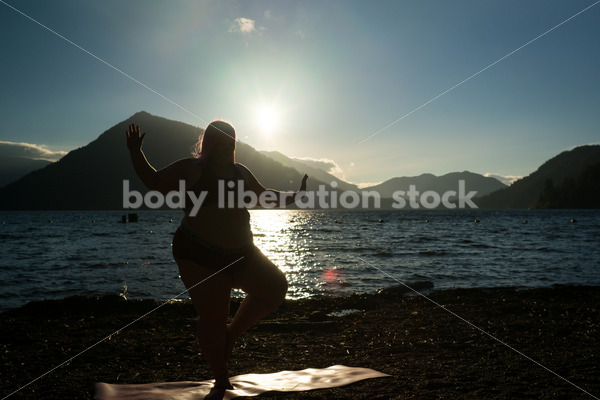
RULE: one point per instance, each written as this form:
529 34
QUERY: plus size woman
214 249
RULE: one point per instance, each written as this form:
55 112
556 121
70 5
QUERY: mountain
525 193
91 177
580 192
313 172
13 168
440 184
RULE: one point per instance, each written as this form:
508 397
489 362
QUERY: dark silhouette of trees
580 192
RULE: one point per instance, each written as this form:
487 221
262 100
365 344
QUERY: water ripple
88 252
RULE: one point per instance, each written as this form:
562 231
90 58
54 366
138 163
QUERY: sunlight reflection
271 234
280 236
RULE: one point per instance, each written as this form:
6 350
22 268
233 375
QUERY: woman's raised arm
256 187
163 180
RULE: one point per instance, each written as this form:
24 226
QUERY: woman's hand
134 139
303 184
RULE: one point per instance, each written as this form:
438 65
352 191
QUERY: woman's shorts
188 246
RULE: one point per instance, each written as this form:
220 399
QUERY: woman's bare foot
219 389
215 394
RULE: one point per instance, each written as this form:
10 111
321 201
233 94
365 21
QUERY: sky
375 90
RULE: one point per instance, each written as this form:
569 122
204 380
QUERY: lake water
55 254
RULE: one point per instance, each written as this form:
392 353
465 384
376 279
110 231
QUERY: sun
267 119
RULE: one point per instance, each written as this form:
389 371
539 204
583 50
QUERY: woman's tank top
209 183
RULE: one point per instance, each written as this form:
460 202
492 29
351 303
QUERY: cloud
506 179
325 164
362 185
28 150
243 26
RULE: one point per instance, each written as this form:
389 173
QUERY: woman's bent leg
211 300
265 286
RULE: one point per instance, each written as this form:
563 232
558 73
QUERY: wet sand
429 352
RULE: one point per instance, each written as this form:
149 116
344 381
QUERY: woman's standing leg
211 300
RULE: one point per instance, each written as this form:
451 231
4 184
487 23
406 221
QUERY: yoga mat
244 385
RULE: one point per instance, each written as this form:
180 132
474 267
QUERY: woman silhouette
216 243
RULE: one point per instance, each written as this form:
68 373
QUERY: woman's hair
215 133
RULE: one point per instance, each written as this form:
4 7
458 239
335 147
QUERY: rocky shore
459 344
